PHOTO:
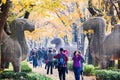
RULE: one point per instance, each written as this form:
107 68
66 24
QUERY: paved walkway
54 76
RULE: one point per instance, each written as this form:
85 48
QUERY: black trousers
61 72
50 67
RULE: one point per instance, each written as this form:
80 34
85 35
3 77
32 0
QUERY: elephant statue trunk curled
14 48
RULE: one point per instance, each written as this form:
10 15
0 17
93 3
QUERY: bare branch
118 12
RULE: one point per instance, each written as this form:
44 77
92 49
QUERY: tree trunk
65 38
118 64
111 63
3 18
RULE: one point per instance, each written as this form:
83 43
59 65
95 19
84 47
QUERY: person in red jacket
62 61
66 53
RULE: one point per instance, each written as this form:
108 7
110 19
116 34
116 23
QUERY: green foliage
25 67
35 76
107 75
112 68
10 75
89 70
97 68
26 74
69 65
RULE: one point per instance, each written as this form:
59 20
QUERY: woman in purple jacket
76 64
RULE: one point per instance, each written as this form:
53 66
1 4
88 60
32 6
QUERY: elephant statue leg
17 65
5 65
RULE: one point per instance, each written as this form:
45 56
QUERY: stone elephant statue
14 48
103 47
58 44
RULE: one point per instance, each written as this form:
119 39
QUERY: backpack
61 60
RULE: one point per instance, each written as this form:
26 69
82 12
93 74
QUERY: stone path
54 76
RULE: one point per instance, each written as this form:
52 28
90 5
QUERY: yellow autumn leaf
3 1
91 31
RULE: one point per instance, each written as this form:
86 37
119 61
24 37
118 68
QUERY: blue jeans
76 73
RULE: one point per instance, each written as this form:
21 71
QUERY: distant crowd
58 60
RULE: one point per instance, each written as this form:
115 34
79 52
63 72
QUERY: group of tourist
77 59
37 56
58 60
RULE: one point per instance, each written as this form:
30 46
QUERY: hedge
88 69
10 75
25 68
69 65
107 75
25 74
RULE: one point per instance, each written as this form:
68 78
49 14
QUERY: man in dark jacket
61 64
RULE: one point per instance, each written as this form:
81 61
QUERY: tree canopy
54 17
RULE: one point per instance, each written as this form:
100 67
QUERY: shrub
107 75
25 67
97 68
112 68
24 75
10 75
35 76
69 65
89 70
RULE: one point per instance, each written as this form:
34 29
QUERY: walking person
34 58
50 62
44 57
76 64
55 61
62 60
66 53
39 57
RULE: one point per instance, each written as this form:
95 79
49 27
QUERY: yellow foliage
85 32
75 1
47 8
91 31
3 1
61 34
